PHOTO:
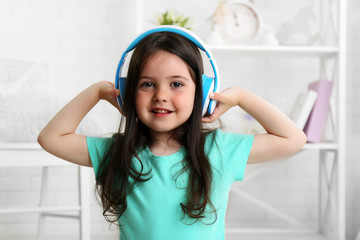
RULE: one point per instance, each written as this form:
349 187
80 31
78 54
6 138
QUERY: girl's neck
163 145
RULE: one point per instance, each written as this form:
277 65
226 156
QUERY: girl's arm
283 137
59 138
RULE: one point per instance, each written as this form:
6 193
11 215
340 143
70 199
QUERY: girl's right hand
108 92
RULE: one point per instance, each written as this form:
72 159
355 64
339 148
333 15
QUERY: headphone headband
170 28
167 28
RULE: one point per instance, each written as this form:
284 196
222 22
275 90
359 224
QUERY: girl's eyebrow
179 76
146 77
170 77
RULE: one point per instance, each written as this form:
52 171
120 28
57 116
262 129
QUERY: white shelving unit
331 157
331 208
25 155
30 154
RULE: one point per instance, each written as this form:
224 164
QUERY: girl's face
165 93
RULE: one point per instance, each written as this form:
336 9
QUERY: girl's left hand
225 100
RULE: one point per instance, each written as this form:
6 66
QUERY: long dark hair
117 176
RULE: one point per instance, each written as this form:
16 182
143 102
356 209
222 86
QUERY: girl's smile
165 93
161 112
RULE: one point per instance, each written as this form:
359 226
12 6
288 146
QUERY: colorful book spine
303 107
314 127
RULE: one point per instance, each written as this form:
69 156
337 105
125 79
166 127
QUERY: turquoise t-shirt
154 212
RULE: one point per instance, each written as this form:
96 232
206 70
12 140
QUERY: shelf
254 235
290 51
20 146
39 209
17 155
320 146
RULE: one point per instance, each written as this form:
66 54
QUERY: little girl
163 175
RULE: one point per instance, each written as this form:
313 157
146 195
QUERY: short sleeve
97 147
234 150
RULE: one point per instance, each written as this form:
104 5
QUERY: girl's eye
147 85
176 84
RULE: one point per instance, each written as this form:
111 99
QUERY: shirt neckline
167 158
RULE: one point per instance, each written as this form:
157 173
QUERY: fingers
215 96
114 92
112 84
209 119
221 107
215 115
212 117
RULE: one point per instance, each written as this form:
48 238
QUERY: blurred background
50 50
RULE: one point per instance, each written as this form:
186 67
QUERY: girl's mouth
161 112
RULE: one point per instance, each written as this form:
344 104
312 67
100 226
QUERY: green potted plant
173 18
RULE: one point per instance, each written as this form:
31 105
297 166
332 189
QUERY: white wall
80 43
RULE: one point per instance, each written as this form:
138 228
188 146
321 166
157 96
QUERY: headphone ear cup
208 87
121 87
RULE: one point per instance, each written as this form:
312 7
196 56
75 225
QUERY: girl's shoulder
223 137
99 146
228 152
101 141
228 143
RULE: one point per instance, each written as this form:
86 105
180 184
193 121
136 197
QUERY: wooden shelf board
14 210
321 146
291 51
256 234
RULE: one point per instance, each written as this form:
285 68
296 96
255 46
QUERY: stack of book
311 109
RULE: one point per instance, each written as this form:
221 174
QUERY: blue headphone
209 84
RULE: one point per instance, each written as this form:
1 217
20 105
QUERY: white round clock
239 22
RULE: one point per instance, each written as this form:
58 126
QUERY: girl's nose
161 94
